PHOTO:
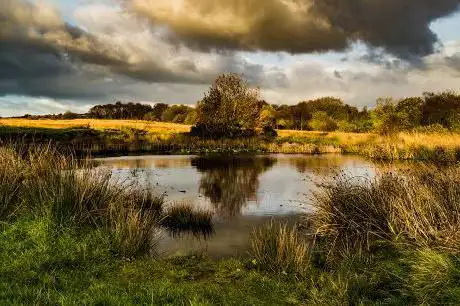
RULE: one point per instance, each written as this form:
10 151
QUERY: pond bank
123 137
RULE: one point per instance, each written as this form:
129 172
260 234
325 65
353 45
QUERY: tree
230 108
191 117
410 112
120 111
176 113
68 115
386 119
442 108
267 117
321 121
158 110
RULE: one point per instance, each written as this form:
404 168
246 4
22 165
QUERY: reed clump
135 221
12 172
278 248
420 206
182 218
42 183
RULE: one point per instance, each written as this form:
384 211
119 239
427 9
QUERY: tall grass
434 277
278 248
135 221
11 177
419 206
70 193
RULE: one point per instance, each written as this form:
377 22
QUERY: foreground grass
125 136
78 268
69 235
39 267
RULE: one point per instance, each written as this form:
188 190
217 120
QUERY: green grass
78 268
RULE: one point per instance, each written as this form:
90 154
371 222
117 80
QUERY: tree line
232 107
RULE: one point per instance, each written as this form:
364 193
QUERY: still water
242 191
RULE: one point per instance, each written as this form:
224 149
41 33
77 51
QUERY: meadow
97 136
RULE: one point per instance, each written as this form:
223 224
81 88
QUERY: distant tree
386 119
228 108
267 117
176 113
284 117
158 110
68 115
441 108
321 121
120 110
410 112
191 117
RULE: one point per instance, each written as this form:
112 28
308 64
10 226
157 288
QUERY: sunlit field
112 136
450 140
100 124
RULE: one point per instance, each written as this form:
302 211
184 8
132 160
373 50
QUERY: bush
269 132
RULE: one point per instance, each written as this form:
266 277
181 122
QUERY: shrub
269 132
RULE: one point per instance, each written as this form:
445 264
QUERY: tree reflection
324 166
230 182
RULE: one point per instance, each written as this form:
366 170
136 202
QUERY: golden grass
100 124
348 139
431 140
419 206
403 146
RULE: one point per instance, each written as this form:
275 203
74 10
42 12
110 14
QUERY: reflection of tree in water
321 166
229 182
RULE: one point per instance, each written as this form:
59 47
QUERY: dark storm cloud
41 55
401 27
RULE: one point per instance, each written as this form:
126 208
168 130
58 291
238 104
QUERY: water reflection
230 182
242 191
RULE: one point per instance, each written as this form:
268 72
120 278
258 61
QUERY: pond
242 191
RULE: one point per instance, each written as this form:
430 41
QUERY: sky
68 55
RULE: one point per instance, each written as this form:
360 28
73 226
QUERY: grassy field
161 128
70 235
125 136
